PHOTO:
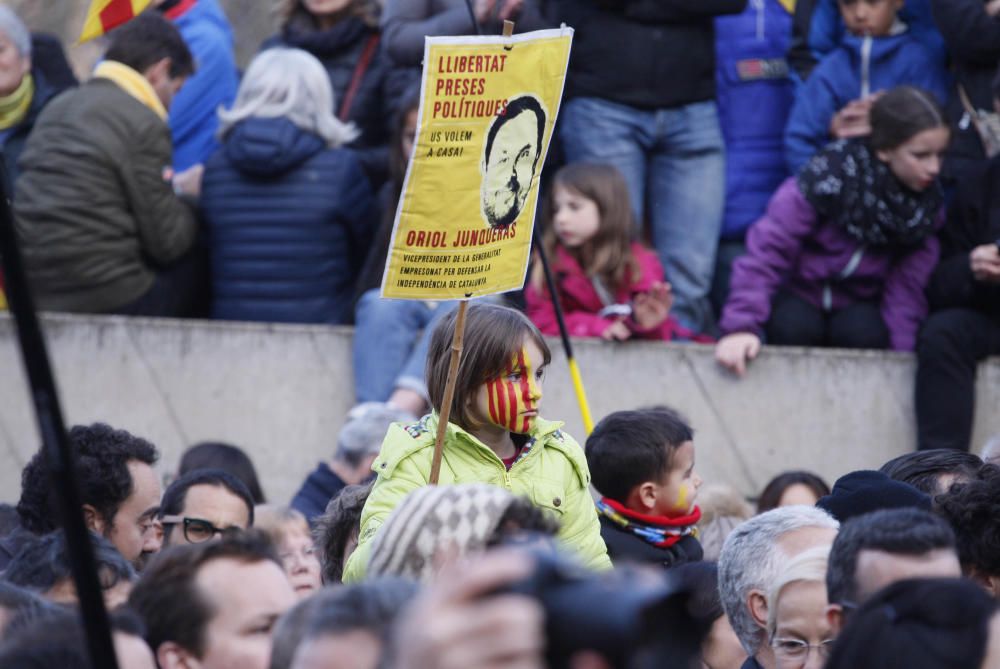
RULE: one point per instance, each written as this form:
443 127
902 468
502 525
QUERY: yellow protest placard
488 106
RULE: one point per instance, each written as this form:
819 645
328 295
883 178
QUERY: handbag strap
359 72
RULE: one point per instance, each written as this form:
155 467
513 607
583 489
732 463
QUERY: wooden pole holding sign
457 343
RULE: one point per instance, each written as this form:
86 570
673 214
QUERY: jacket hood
402 441
270 146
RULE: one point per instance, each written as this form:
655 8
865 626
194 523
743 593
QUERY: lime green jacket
553 474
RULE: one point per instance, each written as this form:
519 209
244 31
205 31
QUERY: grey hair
808 566
365 431
18 33
292 84
751 560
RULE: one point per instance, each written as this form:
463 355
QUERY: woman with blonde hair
797 625
344 36
288 208
289 531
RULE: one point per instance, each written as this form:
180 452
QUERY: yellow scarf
14 107
789 5
132 83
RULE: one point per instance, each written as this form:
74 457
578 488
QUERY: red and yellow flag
103 15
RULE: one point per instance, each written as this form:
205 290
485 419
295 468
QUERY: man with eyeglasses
203 505
752 560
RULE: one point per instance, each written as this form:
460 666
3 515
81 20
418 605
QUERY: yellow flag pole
574 369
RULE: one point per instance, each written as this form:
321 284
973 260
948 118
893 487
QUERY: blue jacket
317 491
752 74
193 114
858 67
819 29
289 221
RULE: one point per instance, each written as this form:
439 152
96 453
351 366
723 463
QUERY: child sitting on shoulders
642 462
495 435
609 285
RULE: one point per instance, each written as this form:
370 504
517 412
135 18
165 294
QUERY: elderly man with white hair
753 557
24 91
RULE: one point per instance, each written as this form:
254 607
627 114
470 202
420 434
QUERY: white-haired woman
288 208
797 624
345 37
24 91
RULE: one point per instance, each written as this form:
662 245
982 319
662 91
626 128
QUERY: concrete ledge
281 392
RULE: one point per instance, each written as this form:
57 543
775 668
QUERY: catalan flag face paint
512 400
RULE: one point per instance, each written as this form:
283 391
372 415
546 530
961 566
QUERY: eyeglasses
797 649
197 530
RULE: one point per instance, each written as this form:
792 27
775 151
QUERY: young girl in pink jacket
609 285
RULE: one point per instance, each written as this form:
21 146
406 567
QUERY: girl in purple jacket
843 254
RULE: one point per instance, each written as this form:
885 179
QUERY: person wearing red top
609 286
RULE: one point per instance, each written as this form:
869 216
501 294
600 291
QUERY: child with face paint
643 464
495 435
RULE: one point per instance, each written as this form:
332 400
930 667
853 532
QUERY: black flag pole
55 443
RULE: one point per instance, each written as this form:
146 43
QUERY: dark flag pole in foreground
55 444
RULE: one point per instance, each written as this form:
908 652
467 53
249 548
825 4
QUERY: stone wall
282 392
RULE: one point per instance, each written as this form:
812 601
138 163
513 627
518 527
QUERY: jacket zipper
850 268
759 6
866 57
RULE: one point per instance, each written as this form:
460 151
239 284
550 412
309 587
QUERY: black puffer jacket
649 54
973 39
973 220
381 88
625 547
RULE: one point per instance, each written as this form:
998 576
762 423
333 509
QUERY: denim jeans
391 339
674 163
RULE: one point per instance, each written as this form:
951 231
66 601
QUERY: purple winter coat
789 248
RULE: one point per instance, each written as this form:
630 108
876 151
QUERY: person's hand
483 9
985 263
734 351
651 308
617 331
188 182
853 120
456 623
510 9
993 7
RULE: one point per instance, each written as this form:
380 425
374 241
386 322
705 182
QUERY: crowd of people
509 562
727 172
811 173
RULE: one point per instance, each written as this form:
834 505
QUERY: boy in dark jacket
964 296
642 462
879 52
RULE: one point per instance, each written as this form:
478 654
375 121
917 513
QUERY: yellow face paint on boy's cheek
682 498
510 399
